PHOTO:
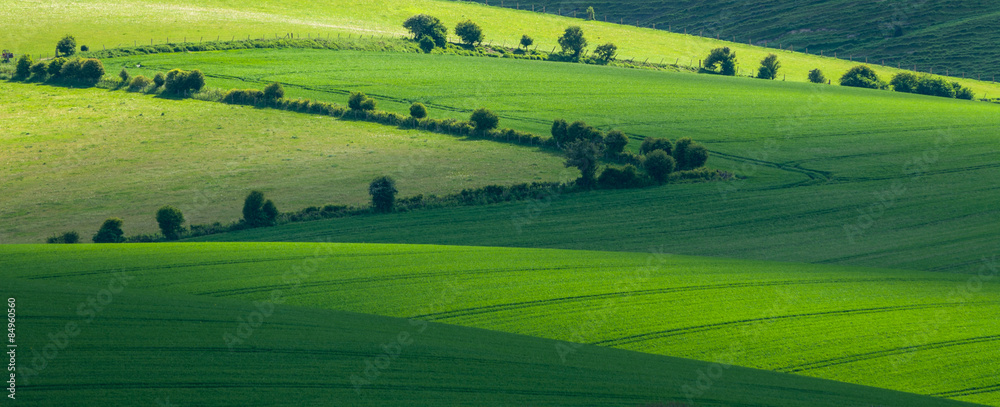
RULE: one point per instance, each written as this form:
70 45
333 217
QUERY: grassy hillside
72 158
886 328
100 24
818 158
938 35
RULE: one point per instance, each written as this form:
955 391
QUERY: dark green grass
886 328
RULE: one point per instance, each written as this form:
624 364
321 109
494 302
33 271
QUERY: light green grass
886 328
72 158
125 22
817 158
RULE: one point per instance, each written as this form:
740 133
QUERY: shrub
695 157
651 144
526 41
39 70
170 220
55 66
383 192
424 25
257 211
470 32
616 178
816 76
484 120
426 44
862 76
71 69
159 79
963 92
250 97
84 48
769 67
91 70
125 77
110 232
724 58
23 67
606 52
935 87
270 213
68 238
139 83
175 81
360 101
659 165
680 152
418 110
66 46
274 91
195 81
905 82
590 13
615 142
560 131
583 155
573 42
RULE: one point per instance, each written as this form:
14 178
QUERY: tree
383 192
91 71
816 76
170 220
659 165
159 79
905 82
725 58
23 66
573 42
606 53
110 232
680 152
124 75
39 70
615 142
270 213
66 46
418 110
689 155
651 144
470 32
560 131
257 211
360 101
55 66
484 120
526 41
426 44
195 81
274 91
862 76
590 13
423 24
583 155
769 67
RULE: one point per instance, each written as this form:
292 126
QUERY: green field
814 156
72 158
886 328
126 22
943 34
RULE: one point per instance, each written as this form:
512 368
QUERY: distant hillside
938 35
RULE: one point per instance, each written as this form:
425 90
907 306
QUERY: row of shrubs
864 77
380 45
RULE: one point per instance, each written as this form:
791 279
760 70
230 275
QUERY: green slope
937 35
885 328
818 159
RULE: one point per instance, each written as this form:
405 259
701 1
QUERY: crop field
817 158
101 24
891 329
72 158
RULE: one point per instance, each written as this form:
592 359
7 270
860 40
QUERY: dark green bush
426 44
484 120
139 83
651 144
360 101
725 58
159 79
91 71
585 156
258 212
905 82
171 222
470 32
383 192
862 76
39 70
816 76
110 232
935 87
769 67
22 69
424 25
615 142
659 165
124 76
195 81
250 97
67 238
605 53
573 42
55 67
71 69
560 131
618 178
66 46
274 91
418 110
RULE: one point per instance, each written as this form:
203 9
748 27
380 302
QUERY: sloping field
74 157
886 328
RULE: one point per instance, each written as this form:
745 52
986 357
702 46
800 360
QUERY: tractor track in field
884 353
591 297
994 388
708 327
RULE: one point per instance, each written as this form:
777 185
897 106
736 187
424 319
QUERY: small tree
270 213
585 156
484 120
560 132
159 79
606 52
695 157
470 32
383 192
862 76
769 67
615 142
724 58
66 46
418 110
257 211
139 83
659 165
124 75
423 24
170 220
816 76
39 70
573 42
55 66
526 41
651 144
274 91
426 44
110 232
590 13
23 67
91 71
680 152
68 238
